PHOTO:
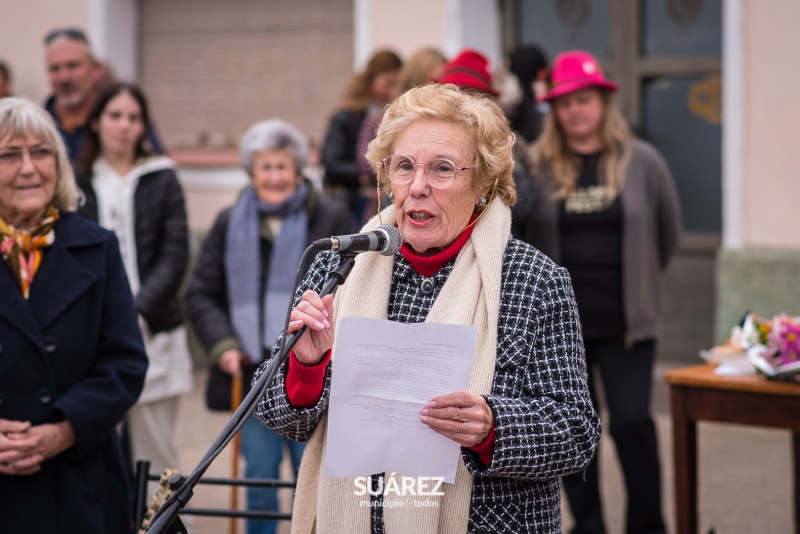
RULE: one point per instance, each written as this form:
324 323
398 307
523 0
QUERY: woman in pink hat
608 211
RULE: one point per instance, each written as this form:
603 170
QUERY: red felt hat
469 69
576 70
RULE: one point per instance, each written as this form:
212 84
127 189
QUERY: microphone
385 240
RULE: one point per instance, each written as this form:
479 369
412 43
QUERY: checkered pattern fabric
545 426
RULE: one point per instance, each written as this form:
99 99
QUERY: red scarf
430 265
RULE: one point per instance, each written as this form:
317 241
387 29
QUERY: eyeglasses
12 158
440 172
71 33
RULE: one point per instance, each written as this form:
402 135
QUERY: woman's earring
391 196
482 203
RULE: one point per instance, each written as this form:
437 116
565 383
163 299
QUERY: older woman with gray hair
241 288
526 418
72 359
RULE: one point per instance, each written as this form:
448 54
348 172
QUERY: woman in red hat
470 70
608 211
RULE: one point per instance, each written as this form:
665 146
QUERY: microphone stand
181 487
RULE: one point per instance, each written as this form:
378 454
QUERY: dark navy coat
73 350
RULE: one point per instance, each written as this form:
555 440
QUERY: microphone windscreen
394 241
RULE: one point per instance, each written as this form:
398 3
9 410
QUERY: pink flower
784 340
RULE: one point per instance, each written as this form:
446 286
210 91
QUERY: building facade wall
211 68
114 29
405 27
23 26
448 25
771 113
756 270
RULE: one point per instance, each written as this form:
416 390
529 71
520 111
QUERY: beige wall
209 189
407 26
211 68
449 25
23 25
771 114
203 205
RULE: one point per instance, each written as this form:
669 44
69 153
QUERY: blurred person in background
368 92
104 75
529 64
136 194
608 212
508 86
75 78
241 287
471 71
5 80
423 66
72 360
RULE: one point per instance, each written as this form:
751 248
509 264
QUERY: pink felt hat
576 70
469 69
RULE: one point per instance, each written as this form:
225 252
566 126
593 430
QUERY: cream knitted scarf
471 295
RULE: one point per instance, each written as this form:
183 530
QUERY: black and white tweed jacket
545 426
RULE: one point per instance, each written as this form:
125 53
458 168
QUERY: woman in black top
608 212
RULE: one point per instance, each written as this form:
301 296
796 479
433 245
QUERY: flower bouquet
772 345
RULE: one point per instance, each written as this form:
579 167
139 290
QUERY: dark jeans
627 378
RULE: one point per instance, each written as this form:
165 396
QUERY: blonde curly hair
479 116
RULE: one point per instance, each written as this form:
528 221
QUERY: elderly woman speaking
72 359
527 419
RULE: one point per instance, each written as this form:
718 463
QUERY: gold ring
459 414
462 428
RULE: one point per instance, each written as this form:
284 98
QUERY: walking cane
236 400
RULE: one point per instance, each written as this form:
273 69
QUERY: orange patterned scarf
22 250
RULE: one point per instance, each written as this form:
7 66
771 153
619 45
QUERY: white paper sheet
384 373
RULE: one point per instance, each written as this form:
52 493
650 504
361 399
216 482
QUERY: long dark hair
91 149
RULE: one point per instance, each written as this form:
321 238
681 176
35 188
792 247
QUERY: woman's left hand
463 417
25 451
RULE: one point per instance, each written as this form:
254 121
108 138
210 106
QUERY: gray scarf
243 267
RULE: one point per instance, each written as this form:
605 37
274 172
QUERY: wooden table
700 395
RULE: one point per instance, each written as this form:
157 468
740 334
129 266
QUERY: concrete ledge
763 280
206 158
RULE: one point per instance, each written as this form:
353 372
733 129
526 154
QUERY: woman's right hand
316 313
230 361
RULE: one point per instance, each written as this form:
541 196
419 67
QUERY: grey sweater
651 230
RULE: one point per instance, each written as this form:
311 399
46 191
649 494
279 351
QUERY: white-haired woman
239 292
608 212
526 419
72 360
